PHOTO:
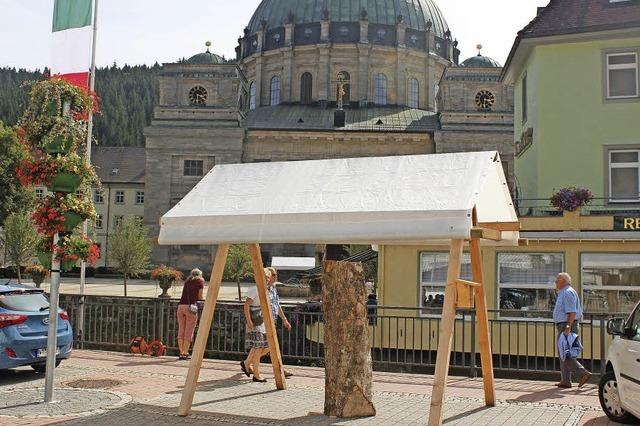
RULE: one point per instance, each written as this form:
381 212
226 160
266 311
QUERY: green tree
19 238
238 266
13 196
130 248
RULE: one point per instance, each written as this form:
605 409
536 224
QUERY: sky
146 31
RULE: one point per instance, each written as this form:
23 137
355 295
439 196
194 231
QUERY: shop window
119 197
380 88
622 75
306 88
193 168
274 88
610 282
252 95
624 175
526 282
139 197
433 277
413 93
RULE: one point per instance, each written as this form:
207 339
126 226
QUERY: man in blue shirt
566 315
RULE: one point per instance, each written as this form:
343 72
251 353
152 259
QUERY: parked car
619 389
24 322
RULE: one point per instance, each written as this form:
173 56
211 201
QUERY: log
348 368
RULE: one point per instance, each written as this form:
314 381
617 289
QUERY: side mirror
615 326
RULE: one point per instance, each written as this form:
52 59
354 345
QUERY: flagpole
85 225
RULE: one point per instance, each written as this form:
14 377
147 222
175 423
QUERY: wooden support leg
203 330
483 324
447 324
269 322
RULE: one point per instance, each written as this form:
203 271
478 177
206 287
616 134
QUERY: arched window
413 93
306 88
346 78
380 87
252 95
274 89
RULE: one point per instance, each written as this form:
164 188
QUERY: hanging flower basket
571 199
58 144
51 109
65 182
71 249
44 258
71 220
67 265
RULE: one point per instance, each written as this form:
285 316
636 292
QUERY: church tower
197 124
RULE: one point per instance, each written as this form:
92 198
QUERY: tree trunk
19 276
239 292
125 285
348 371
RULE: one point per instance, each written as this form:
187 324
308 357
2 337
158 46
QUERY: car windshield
25 302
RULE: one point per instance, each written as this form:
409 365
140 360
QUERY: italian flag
71 49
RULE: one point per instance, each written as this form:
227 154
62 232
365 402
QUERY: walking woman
188 311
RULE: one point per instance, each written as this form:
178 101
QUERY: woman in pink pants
188 311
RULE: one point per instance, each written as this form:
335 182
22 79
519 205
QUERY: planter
51 109
165 285
65 182
67 265
71 220
59 145
44 259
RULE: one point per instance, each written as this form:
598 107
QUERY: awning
379 200
293 263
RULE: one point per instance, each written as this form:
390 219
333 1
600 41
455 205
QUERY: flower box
71 220
65 182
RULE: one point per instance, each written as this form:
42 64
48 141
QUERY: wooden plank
501 226
523 242
269 323
486 233
204 327
469 283
482 314
446 334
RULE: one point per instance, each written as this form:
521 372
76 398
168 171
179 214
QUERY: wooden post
447 324
203 330
269 323
483 324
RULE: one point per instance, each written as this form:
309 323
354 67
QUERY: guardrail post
473 367
160 312
603 355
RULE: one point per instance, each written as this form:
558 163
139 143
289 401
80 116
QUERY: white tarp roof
293 263
377 200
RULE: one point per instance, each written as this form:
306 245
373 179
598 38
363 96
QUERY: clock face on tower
198 96
485 99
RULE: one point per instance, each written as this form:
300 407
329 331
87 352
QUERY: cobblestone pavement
225 396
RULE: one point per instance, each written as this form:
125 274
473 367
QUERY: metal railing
402 339
541 207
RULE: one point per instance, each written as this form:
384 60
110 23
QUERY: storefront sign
626 223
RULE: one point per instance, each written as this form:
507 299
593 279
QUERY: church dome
205 58
420 15
480 61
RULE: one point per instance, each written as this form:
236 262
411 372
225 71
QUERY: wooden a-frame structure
476 207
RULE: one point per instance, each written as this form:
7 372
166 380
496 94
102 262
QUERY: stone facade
467 126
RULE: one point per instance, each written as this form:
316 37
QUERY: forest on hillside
127 96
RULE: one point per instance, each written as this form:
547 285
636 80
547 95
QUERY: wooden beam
523 242
446 334
501 226
469 283
486 233
204 327
269 321
482 314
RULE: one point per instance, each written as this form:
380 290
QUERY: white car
619 389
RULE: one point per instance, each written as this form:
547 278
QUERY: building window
380 87
99 221
624 175
119 197
526 282
524 99
433 277
252 95
39 193
622 75
139 197
98 196
306 88
117 220
610 281
193 168
274 90
413 93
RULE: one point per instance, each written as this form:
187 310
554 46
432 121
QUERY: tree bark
19 276
348 370
239 292
125 285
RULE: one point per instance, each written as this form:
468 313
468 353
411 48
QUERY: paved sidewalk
226 396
